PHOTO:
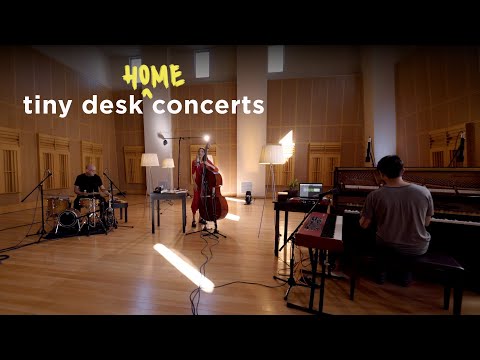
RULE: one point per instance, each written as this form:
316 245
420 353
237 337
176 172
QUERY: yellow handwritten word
152 75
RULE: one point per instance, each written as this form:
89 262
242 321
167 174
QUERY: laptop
310 191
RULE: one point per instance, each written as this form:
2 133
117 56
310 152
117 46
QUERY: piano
455 226
321 231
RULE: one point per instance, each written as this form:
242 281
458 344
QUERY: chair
450 271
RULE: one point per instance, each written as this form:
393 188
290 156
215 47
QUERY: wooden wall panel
424 120
221 128
317 133
289 103
439 116
473 68
446 93
7 74
405 85
24 74
304 102
334 106
319 101
334 101
456 73
351 103
438 76
35 73
422 95
474 105
8 116
458 111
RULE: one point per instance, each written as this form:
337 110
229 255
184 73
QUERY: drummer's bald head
90 169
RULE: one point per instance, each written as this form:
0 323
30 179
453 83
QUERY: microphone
367 158
105 172
49 172
461 148
331 191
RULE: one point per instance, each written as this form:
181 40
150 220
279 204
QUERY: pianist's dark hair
391 166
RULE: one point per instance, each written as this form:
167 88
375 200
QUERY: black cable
19 244
195 294
250 283
3 257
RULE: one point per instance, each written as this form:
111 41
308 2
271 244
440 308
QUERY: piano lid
455 191
454 181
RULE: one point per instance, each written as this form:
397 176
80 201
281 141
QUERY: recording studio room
238 179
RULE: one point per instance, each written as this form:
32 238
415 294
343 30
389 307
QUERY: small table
168 196
121 205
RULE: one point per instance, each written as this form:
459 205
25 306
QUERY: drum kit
60 209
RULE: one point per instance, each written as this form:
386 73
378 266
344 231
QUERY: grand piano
455 226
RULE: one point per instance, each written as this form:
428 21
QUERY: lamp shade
272 154
168 163
149 160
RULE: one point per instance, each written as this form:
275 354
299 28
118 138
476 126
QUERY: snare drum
70 218
89 203
56 204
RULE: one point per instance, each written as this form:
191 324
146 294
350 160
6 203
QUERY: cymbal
91 194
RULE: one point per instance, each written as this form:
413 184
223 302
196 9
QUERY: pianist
400 211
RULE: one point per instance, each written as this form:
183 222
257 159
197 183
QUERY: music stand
42 230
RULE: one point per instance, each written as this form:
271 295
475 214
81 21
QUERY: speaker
248 197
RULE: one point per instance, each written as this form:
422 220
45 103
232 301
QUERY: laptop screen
310 190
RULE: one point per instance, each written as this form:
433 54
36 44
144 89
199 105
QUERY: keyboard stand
315 255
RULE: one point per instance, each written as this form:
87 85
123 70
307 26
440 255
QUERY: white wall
154 123
378 66
252 128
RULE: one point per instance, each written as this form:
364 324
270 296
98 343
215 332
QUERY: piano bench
450 271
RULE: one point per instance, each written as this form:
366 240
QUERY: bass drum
70 218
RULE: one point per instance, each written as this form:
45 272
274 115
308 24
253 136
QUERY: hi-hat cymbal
91 194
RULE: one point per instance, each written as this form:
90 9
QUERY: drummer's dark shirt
88 183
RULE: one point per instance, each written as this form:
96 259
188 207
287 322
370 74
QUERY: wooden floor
122 273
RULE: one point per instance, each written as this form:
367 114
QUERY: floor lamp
149 160
270 155
168 163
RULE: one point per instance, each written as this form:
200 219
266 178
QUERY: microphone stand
111 200
42 230
179 151
291 280
457 152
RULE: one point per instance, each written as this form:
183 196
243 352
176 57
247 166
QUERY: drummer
89 185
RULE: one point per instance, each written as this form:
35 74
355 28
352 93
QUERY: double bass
213 206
